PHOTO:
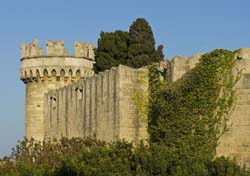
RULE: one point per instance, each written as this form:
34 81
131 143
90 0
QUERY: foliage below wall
87 157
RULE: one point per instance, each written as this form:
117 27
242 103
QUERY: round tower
43 72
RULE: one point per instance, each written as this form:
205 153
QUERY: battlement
31 49
56 63
83 49
56 48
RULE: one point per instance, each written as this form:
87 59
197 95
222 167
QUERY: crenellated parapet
56 63
56 48
31 49
83 49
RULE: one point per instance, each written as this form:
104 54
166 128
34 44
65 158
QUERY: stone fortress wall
65 98
236 141
99 107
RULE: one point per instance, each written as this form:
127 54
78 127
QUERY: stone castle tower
43 72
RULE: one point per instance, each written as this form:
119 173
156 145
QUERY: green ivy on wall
190 115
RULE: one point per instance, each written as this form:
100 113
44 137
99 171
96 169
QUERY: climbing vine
143 87
140 96
190 115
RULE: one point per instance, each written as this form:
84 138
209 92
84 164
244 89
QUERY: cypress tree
135 48
112 50
141 49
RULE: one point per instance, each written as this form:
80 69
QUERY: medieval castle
65 98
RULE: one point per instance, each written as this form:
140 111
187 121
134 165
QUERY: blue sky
184 27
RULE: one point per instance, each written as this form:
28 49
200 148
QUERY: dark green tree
135 48
112 50
141 50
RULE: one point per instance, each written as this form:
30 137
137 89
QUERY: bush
87 157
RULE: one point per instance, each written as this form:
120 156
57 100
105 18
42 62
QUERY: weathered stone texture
83 49
180 65
236 141
42 73
132 126
31 49
99 107
56 48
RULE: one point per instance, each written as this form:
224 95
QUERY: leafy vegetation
112 50
87 157
141 50
189 116
196 105
135 48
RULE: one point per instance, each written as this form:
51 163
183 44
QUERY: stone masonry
236 141
65 98
99 107
42 73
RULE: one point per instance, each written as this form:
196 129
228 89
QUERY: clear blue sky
184 27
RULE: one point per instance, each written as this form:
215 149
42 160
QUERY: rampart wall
100 107
236 141
179 65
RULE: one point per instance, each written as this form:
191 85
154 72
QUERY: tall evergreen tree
112 50
141 49
135 48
